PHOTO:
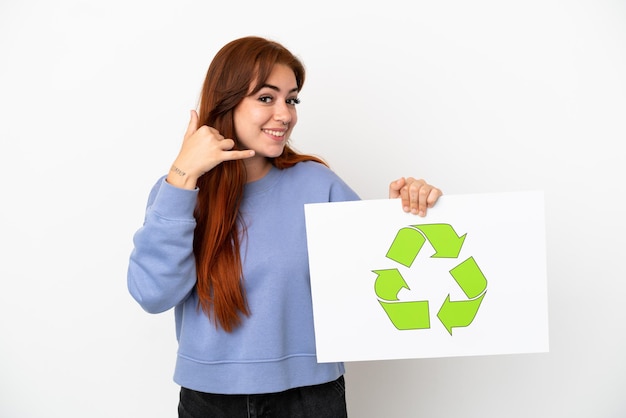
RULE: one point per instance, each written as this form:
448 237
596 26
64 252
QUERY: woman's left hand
417 195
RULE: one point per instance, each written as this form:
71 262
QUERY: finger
422 199
411 194
193 124
237 155
405 195
225 144
413 198
395 187
433 196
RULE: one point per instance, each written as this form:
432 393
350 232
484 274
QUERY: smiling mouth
274 133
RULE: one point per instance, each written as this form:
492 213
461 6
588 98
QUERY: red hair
239 69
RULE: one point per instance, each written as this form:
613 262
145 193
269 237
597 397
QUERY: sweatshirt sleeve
162 270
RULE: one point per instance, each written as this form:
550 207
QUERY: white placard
467 279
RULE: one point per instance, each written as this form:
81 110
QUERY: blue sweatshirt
274 349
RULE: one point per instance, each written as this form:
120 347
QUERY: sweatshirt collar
264 183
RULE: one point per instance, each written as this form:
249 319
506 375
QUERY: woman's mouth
276 134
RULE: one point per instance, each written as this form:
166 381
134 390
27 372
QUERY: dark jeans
327 400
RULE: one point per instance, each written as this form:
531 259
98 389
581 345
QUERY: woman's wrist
179 177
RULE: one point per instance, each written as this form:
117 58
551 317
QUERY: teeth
275 133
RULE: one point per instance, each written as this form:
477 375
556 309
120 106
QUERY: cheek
294 118
246 116
292 124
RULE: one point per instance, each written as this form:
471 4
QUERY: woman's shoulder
312 172
312 168
319 178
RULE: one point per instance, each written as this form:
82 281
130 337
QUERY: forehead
282 77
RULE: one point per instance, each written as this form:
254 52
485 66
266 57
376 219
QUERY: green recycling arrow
406 245
470 278
415 314
389 283
409 241
461 313
443 238
408 315
403 315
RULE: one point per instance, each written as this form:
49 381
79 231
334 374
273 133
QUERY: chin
273 153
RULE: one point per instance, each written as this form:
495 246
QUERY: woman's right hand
203 148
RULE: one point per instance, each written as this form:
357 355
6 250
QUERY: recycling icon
411 315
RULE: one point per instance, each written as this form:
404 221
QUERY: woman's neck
256 168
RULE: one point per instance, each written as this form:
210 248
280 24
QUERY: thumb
395 186
193 124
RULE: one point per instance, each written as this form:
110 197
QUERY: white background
475 96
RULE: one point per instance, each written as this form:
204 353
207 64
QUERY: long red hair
239 69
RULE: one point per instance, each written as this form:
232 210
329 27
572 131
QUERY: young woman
224 243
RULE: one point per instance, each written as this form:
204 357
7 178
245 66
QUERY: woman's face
264 120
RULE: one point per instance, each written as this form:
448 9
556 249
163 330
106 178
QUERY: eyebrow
270 86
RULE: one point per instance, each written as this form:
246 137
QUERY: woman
224 243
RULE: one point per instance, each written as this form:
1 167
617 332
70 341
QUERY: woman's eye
269 99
